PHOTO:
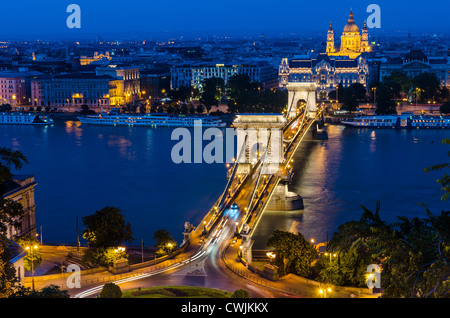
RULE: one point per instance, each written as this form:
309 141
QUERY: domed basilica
353 43
346 65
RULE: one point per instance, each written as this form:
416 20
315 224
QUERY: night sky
27 19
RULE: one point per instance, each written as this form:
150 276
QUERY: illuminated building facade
346 65
353 42
416 62
13 88
327 72
194 74
21 190
111 86
86 60
127 87
69 92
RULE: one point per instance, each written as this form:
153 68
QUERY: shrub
241 293
111 290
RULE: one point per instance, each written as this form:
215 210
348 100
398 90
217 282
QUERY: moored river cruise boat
24 119
150 120
405 120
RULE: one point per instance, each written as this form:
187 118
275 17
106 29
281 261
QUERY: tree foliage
213 88
445 108
33 256
107 228
385 103
111 290
245 96
181 94
429 86
240 293
10 214
50 291
293 254
164 242
413 253
444 181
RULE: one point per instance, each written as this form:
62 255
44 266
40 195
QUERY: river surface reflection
81 169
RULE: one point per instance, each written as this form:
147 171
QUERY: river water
81 169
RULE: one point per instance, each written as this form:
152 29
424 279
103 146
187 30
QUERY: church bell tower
365 46
330 40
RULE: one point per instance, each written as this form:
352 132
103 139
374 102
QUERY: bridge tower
259 136
301 91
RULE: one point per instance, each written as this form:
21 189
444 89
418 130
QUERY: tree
50 291
273 101
332 95
445 180
32 260
181 94
340 92
349 101
352 95
111 290
359 91
385 104
86 111
200 109
356 245
293 254
243 94
418 264
164 242
8 277
102 256
414 254
5 108
399 82
10 213
445 108
443 95
240 293
107 228
212 92
429 86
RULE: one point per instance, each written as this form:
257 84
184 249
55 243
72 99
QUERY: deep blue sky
47 18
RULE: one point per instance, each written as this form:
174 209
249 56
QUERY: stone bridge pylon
301 92
259 137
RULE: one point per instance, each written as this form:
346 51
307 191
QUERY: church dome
351 25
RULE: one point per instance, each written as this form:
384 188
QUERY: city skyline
47 20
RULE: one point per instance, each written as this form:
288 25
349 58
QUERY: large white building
193 74
114 85
326 71
345 63
416 62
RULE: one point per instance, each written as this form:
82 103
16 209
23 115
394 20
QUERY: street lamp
119 249
331 255
324 291
32 249
271 256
